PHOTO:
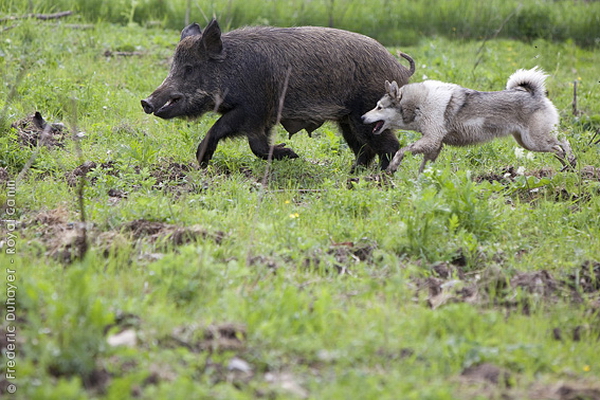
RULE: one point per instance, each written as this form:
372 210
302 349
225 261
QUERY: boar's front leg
236 123
228 125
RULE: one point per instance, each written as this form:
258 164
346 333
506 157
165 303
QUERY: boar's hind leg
385 145
364 154
259 144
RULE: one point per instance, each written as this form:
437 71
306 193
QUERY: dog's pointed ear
394 90
387 86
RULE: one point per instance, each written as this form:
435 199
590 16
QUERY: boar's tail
410 60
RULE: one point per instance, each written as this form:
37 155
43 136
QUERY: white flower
519 152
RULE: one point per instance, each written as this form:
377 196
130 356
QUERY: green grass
324 287
400 22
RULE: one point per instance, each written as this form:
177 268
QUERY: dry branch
44 17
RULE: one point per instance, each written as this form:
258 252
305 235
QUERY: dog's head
388 112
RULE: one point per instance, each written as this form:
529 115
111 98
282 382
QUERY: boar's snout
148 107
162 107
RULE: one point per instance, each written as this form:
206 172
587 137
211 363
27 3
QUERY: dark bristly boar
319 73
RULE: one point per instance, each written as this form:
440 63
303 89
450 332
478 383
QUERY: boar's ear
190 30
211 39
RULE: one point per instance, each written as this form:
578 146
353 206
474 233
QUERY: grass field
398 22
478 279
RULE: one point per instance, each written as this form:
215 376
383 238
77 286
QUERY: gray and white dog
446 113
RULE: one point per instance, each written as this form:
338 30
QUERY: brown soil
341 256
65 240
217 337
486 373
172 234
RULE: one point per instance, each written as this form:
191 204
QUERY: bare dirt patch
4 175
168 175
509 173
486 373
173 177
226 336
162 232
62 238
495 287
81 171
341 256
508 177
572 390
587 277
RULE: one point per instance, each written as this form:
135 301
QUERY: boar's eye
188 70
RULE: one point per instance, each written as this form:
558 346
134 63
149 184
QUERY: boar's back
330 73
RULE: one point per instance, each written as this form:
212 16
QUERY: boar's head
191 87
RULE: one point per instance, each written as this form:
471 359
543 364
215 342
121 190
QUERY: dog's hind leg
564 154
547 143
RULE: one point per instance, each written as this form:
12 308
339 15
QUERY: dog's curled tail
532 80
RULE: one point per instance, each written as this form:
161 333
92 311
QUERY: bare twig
574 104
81 244
8 28
109 53
78 26
44 17
593 139
279 111
264 182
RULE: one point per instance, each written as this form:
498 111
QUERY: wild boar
301 77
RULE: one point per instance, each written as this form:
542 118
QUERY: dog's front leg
396 160
430 156
429 145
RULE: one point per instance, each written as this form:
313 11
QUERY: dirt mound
34 130
63 240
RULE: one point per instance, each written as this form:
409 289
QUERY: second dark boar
319 73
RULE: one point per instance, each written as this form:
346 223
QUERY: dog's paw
391 169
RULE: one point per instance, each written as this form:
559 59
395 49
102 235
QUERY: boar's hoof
280 151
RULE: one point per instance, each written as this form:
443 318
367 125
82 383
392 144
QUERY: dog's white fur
446 113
